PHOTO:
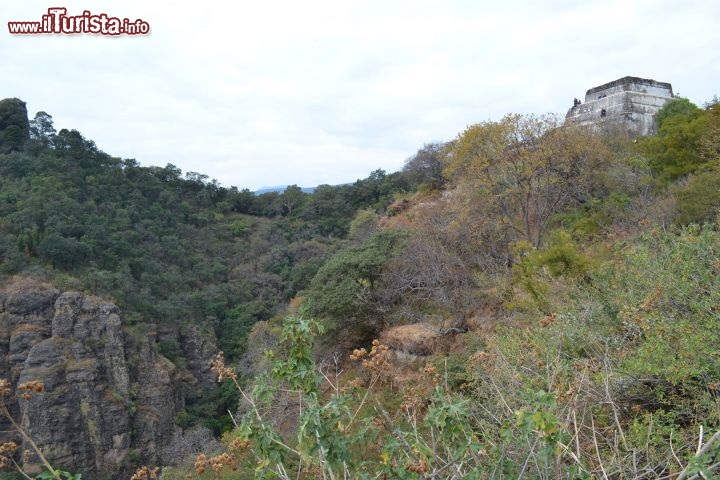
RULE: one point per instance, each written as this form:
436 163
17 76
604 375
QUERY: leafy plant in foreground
329 420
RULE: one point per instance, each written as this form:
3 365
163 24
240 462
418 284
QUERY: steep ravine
109 397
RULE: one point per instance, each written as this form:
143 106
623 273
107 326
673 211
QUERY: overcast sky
311 92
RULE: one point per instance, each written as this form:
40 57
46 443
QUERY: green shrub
699 198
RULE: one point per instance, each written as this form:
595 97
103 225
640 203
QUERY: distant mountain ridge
281 188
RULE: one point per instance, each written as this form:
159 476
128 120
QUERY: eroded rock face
109 399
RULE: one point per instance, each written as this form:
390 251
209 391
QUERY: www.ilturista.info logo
58 22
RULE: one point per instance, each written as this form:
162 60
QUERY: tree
367 191
77 150
526 169
195 181
345 288
63 252
14 125
674 151
426 275
266 205
292 198
363 226
426 167
42 131
710 141
241 201
698 199
329 208
675 107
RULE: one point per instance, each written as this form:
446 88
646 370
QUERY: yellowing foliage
526 169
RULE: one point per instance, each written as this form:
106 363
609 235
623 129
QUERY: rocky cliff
109 397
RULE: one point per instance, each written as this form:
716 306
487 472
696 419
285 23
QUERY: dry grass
415 339
403 214
21 283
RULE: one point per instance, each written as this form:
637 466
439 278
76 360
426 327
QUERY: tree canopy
14 125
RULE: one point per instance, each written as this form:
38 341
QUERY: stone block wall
630 102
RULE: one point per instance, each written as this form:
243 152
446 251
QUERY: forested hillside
545 306
527 300
170 249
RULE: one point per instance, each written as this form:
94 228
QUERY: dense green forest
528 300
166 247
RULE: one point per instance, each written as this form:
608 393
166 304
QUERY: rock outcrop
109 397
